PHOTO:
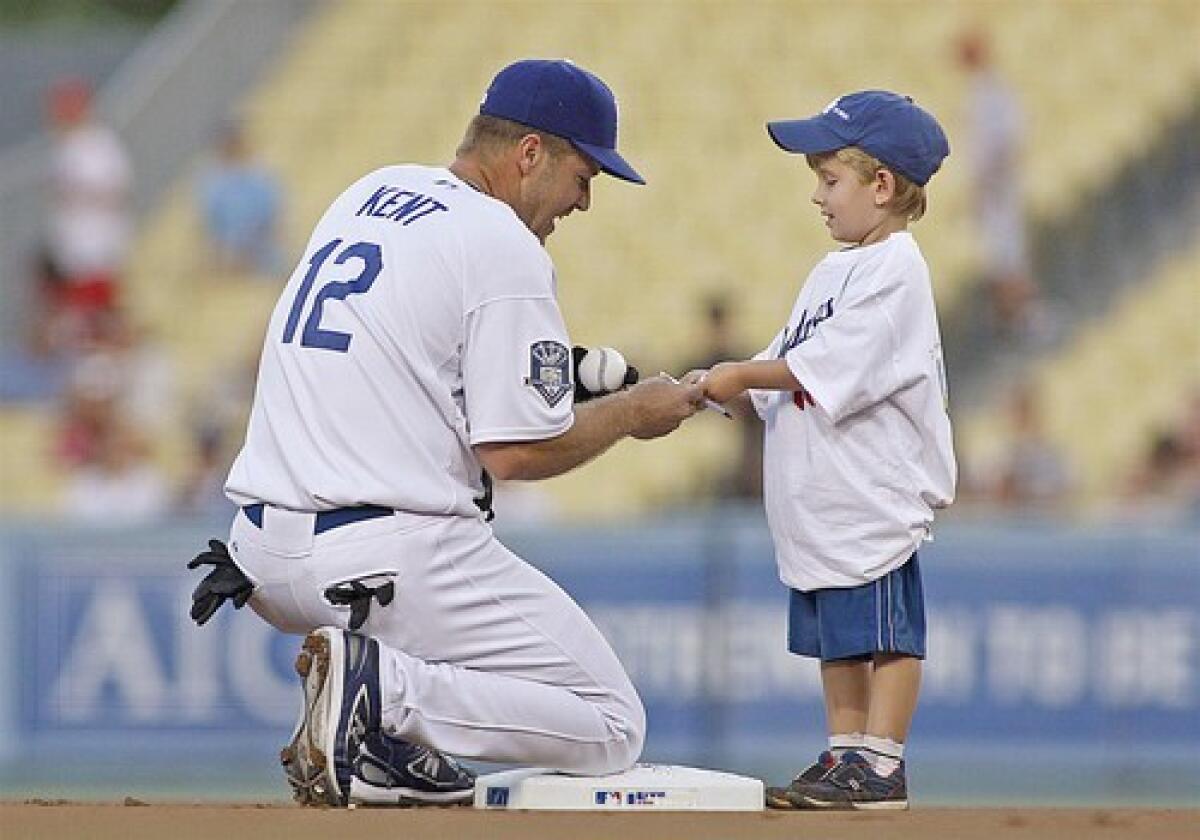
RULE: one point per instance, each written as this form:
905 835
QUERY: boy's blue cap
886 125
560 98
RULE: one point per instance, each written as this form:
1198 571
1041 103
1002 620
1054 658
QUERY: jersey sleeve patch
550 371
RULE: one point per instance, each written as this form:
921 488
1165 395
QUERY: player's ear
529 151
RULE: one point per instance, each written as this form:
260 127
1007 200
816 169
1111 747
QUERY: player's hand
226 582
693 377
724 382
660 405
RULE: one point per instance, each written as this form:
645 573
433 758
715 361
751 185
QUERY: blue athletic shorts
884 616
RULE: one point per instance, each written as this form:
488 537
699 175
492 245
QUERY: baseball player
417 344
857 445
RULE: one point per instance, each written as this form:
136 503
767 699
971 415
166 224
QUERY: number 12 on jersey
313 336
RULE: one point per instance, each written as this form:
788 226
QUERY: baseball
602 370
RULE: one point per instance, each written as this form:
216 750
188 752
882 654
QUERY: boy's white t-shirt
857 462
421 321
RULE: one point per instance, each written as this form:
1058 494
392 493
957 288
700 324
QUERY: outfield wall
1064 665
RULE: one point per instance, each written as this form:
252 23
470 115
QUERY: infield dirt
133 819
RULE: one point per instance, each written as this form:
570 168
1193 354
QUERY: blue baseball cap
563 99
886 125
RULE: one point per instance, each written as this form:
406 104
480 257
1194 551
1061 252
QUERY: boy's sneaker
854 785
792 796
338 754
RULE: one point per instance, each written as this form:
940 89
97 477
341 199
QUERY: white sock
842 743
883 754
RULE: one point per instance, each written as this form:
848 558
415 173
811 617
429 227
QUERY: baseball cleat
388 771
792 796
338 755
854 785
310 760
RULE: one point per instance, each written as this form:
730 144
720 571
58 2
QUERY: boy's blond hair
909 201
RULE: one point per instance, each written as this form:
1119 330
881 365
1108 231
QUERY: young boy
858 452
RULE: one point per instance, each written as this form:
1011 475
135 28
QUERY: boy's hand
723 382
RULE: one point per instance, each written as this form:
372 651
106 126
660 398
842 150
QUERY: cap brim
609 161
811 136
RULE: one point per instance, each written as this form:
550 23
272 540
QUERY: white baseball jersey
856 463
421 320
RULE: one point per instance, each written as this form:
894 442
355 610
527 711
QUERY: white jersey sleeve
869 351
517 371
516 356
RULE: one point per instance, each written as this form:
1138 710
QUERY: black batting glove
582 394
225 581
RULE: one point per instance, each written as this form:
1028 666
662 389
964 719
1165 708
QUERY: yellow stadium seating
367 83
1119 381
32 481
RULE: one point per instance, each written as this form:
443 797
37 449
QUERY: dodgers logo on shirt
550 370
806 327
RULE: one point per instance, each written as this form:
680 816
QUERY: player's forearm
598 424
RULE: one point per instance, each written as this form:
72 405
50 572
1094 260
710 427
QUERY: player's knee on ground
629 736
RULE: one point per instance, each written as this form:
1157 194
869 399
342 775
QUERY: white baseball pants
481 655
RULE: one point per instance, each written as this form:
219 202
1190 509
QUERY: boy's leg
847 687
894 688
895 626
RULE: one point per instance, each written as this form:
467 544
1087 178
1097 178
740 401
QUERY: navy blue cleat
854 785
388 771
338 754
792 796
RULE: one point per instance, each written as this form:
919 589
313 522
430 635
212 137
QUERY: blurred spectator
239 203
743 479
121 358
220 411
117 373
1168 481
118 485
995 130
90 220
31 368
1033 474
89 408
203 490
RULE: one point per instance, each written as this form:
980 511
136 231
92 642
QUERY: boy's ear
885 186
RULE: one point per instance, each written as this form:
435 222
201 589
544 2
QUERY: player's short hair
487 134
910 199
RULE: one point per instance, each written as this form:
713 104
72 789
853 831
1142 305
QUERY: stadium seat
367 83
